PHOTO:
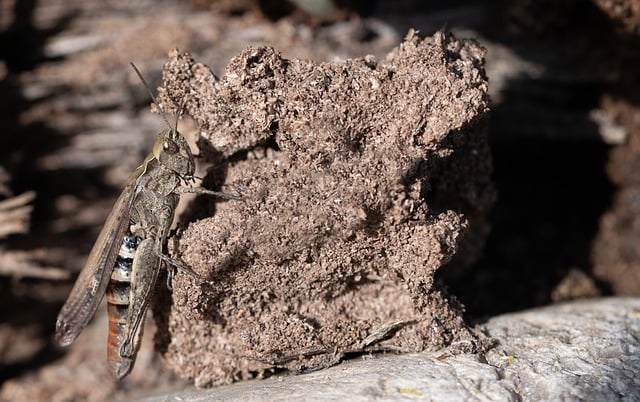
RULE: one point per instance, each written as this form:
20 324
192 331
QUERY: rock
585 350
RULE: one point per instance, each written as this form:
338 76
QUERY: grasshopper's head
171 148
172 151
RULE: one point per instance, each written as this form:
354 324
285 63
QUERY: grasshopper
125 260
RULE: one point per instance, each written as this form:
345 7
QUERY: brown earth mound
359 180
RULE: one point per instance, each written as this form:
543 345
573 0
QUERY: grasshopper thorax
172 151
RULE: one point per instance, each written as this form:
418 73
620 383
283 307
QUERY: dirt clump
359 178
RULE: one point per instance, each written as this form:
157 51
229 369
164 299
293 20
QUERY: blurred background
565 137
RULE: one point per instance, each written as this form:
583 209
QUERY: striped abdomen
117 294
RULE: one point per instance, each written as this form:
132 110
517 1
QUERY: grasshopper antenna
153 98
183 104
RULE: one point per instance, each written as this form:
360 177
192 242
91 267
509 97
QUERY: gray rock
587 350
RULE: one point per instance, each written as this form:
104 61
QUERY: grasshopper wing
91 285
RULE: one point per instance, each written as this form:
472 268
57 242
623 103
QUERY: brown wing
91 285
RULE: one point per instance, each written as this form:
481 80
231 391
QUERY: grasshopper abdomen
118 301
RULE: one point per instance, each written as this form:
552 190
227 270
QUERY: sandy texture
360 179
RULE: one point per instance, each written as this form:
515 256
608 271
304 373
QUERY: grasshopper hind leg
146 266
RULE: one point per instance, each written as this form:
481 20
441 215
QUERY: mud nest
360 179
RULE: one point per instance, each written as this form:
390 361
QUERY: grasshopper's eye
169 146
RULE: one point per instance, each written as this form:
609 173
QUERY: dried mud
359 181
